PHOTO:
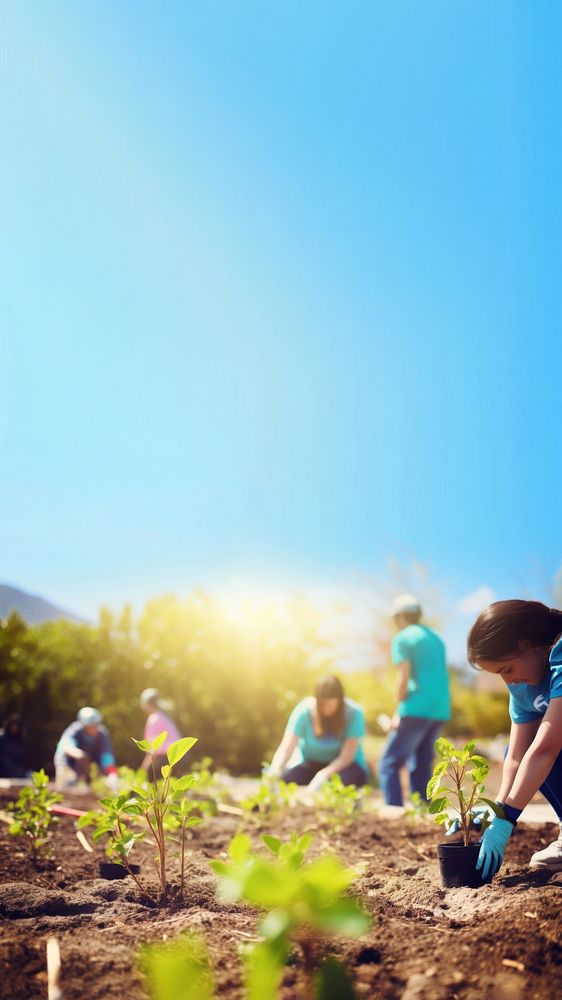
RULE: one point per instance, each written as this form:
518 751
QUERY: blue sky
280 295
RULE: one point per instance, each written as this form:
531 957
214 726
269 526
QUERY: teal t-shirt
428 685
324 749
529 702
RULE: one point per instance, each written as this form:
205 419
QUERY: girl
157 721
324 734
521 642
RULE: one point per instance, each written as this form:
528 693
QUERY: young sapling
158 806
303 902
32 815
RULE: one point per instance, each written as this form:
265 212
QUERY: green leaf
239 847
264 970
443 747
344 917
182 784
178 750
333 982
272 842
437 805
165 770
158 740
180 970
142 744
275 923
221 868
477 761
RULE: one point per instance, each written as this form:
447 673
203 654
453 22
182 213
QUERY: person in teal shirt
521 642
423 702
323 737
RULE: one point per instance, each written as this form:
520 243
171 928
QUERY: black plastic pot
458 866
111 870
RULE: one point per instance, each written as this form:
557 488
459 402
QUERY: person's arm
67 744
345 757
403 669
400 656
539 757
520 739
283 753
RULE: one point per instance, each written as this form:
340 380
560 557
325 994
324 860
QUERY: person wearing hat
423 702
84 742
158 721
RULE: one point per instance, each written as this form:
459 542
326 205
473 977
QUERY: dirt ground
426 941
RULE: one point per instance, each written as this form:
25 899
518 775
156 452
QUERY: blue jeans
303 773
411 745
551 787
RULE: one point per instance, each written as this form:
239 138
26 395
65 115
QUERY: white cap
148 696
89 716
404 604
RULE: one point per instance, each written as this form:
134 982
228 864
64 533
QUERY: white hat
148 696
89 716
404 604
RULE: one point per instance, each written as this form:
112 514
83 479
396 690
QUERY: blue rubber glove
492 846
482 814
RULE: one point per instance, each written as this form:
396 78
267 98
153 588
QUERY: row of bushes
232 684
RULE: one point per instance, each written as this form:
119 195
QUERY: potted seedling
303 902
457 785
32 816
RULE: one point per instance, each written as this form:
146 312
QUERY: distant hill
33 609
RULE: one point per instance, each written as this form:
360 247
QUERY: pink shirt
156 723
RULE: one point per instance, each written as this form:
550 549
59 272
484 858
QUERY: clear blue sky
280 293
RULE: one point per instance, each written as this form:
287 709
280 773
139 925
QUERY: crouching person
84 742
323 737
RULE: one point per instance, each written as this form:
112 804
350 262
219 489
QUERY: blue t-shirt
428 684
325 749
529 702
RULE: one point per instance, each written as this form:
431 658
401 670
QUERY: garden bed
426 942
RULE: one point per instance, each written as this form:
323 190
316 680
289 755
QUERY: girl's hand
492 846
478 816
318 780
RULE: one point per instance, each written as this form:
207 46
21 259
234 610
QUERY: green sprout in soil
178 970
465 772
272 795
304 903
338 802
417 808
32 815
159 808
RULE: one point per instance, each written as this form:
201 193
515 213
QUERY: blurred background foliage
231 674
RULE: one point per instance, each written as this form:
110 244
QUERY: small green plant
417 808
303 902
178 970
33 816
465 771
159 807
338 802
271 796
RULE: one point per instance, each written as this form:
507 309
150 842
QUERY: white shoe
549 857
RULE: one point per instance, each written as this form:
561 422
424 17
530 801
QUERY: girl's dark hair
498 629
329 687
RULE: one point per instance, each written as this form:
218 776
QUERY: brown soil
427 943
